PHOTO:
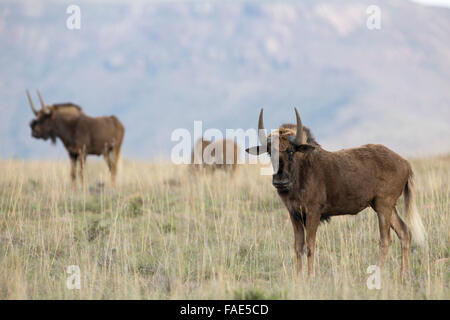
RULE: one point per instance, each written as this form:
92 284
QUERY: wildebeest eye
33 123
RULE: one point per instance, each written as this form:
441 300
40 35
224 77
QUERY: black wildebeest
80 134
315 184
221 154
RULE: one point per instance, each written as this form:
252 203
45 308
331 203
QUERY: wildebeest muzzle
282 185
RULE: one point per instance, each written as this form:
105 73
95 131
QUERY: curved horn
261 132
31 103
299 136
40 99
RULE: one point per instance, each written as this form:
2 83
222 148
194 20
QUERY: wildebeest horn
31 103
261 132
40 99
299 135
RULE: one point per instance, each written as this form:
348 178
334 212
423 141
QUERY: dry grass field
161 234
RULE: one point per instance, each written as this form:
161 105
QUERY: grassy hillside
163 235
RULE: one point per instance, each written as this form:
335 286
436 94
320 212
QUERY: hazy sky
161 65
443 3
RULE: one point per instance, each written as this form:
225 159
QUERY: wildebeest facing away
221 154
80 134
315 184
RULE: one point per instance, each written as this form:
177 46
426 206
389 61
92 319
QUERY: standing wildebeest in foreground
80 134
221 154
315 184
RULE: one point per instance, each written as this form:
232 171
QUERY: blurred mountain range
159 66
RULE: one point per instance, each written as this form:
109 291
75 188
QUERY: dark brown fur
315 184
81 135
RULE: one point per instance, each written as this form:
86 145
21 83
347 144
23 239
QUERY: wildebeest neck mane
66 105
310 139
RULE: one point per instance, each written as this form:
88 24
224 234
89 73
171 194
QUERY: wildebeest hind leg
111 159
82 160
73 170
402 232
384 211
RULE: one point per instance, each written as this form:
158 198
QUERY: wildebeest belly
350 195
101 147
99 135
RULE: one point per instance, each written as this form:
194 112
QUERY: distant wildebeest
221 154
81 135
315 184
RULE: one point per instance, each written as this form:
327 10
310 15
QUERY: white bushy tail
413 219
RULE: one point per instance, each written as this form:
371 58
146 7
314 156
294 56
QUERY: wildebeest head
41 126
286 145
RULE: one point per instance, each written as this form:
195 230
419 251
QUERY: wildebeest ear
304 148
256 150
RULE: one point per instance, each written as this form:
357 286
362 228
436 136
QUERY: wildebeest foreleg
402 232
312 223
299 241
